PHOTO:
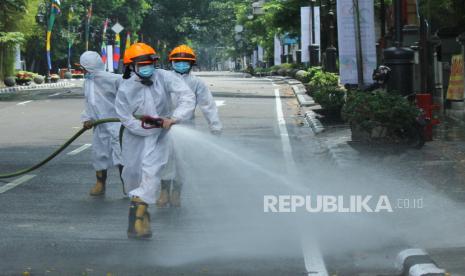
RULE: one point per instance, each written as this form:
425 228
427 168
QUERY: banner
104 42
117 52
109 60
347 37
54 11
70 36
306 33
277 50
456 82
128 41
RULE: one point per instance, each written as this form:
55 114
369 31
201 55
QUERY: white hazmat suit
146 151
204 100
100 88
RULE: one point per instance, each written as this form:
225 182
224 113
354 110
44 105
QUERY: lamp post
399 59
41 19
331 50
314 49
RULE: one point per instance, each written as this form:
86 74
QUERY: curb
312 119
65 84
416 262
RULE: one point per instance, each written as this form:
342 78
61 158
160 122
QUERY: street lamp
331 50
41 19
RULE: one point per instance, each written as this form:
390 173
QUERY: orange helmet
182 53
139 53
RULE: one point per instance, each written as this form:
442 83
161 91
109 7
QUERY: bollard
314 50
400 60
416 262
425 102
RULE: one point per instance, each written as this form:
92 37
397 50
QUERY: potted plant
54 78
23 78
68 75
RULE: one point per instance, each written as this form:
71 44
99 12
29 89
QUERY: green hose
59 150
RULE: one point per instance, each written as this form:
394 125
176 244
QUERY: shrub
78 76
367 111
320 79
54 78
302 76
38 79
24 77
331 98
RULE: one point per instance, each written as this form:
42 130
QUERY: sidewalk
33 86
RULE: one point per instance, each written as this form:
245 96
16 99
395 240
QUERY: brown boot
164 198
175 197
139 220
99 188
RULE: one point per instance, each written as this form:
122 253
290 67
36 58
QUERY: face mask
182 67
146 71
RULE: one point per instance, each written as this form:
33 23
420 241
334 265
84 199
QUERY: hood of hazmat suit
146 151
100 90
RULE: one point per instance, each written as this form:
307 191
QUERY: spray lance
147 122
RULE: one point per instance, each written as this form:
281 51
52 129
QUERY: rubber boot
164 198
120 168
139 220
99 188
175 197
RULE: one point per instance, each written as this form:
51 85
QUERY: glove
88 124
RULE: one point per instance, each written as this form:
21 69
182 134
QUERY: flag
116 52
128 41
70 37
104 41
54 11
88 16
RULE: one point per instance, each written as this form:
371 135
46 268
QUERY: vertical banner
277 50
18 58
347 48
104 43
109 60
456 83
88 17
254 58
128 41
117 52
54 11
305 38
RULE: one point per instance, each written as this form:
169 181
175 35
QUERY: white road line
313 259
56 94
220 103
285 142
16 182
23 103
80 149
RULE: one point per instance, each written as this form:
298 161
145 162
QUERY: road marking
23 103
56 94
220 103
313 259
80 149
16 182
285 142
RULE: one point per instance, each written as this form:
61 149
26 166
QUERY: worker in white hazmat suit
182 59
144 98
100 88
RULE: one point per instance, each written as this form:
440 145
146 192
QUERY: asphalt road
50 226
